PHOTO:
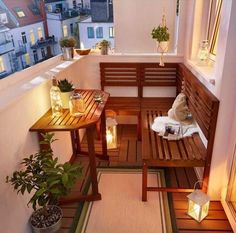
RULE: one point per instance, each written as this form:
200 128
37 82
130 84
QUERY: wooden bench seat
160 152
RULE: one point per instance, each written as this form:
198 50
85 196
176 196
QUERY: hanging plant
162 36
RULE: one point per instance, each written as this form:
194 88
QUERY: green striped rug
121 209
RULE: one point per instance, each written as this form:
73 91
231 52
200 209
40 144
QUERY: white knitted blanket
159 125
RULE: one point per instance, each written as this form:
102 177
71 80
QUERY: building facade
23 39
99 26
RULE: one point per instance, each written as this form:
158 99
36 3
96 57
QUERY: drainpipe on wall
43 13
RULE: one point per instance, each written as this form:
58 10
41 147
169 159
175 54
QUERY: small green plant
103 43
65 85
67 42
160 33
44 176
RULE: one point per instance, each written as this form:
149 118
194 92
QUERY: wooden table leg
75 141
103 131
92 162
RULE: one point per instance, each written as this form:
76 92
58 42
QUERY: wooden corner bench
156 151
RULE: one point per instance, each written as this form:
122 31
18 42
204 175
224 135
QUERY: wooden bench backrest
152 74
119 74
204 108
202 103
139 75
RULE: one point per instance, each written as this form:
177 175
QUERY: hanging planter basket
162 48
162 36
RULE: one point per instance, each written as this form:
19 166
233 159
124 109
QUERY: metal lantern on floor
111 133
198 205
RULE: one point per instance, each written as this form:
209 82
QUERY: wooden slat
204 225
132 151
123 150
213 214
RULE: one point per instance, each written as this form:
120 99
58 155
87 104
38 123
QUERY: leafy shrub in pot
48 180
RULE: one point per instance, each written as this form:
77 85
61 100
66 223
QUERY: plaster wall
134 21
224 89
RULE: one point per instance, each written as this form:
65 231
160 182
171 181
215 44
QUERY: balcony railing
6 47
21 50
63 15
43 42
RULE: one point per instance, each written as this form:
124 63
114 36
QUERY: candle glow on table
111 133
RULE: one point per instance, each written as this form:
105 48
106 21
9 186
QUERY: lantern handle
199 181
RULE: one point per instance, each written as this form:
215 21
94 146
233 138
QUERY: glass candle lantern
55 96
111 133
76 105
203 52
198 205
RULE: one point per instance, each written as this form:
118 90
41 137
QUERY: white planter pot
65 97
68 53
163 46
55 228
104 50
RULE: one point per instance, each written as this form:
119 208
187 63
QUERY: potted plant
66 87
48 180
103 46
67 45
162 36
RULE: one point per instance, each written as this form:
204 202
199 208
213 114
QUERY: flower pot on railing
67 53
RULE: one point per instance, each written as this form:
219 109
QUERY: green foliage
103 43
65 85
160 33
67 42
44 176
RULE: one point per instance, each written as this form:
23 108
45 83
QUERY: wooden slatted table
94 113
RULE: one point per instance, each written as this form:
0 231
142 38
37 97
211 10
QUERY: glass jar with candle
203 52
77 105
55 96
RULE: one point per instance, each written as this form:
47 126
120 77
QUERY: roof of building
25 12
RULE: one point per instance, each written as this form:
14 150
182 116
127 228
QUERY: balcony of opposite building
44 42
6 47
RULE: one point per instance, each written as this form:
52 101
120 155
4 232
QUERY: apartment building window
20 13
2 68
74 4
49 8
27 59
35 54
90 31
40 33
23 36
111 32
99 32
43 53
71 28
65 31
32 37
3 18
